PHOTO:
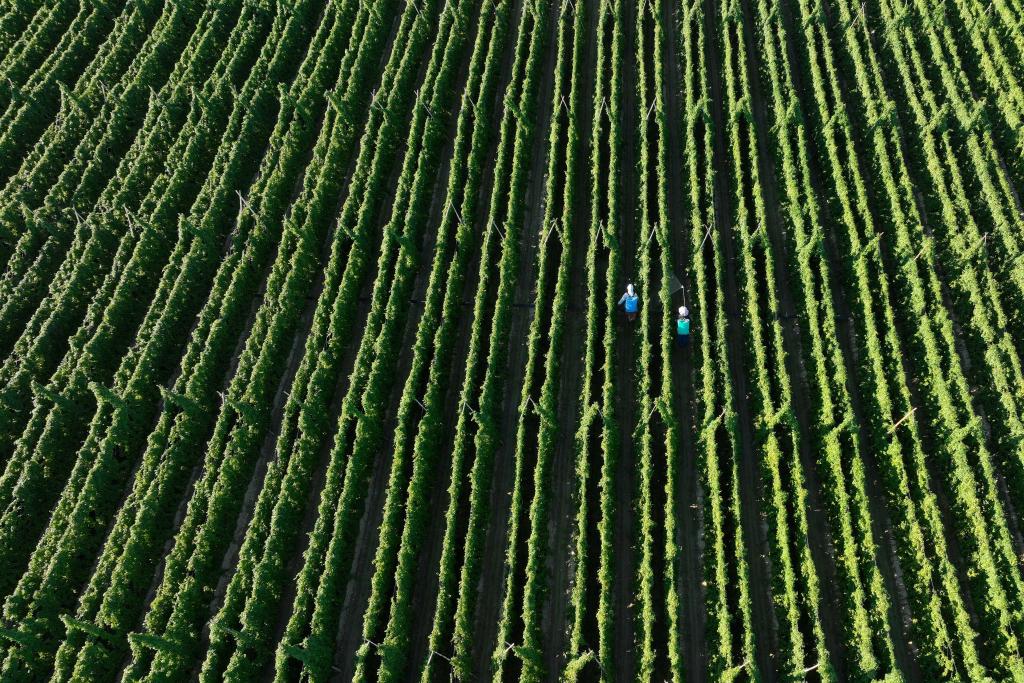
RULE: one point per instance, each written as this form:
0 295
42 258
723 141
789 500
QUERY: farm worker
683 328
631 302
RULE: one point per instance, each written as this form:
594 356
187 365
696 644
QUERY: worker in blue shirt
631 302
683 328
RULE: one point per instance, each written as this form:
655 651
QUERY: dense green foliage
313 364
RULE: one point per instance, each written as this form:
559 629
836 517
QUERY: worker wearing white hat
631 302
683 328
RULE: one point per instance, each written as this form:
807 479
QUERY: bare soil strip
626 355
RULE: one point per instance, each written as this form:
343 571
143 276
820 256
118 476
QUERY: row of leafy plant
896 435
126 567
86 249
648 360
581 644
245 418
611 185
776 438
453 613
308 642
520 645
19 21
76 528
66 366
726 586
864 598
507 209
890 434
956 436
55 54
668 396
47 229
231 649
419 419
956 249
978 44
117 314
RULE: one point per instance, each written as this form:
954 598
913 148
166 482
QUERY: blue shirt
632 303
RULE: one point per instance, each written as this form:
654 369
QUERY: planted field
313 363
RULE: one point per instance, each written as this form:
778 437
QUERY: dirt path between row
625 363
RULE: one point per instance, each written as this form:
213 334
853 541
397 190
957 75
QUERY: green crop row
399 541
225 637
615 178
112 313
54 55
17 22
80 183
188 409
894 428
984 311
114 317
310 614
667 400
334 548
731 647
776 438
43 239
126 410
243 421
646 404
449 587
955 437
580 649
865 601
519 622
976 42
657 370
490 391
535 587
929 577
117 427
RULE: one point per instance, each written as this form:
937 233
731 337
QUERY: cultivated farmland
313 365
